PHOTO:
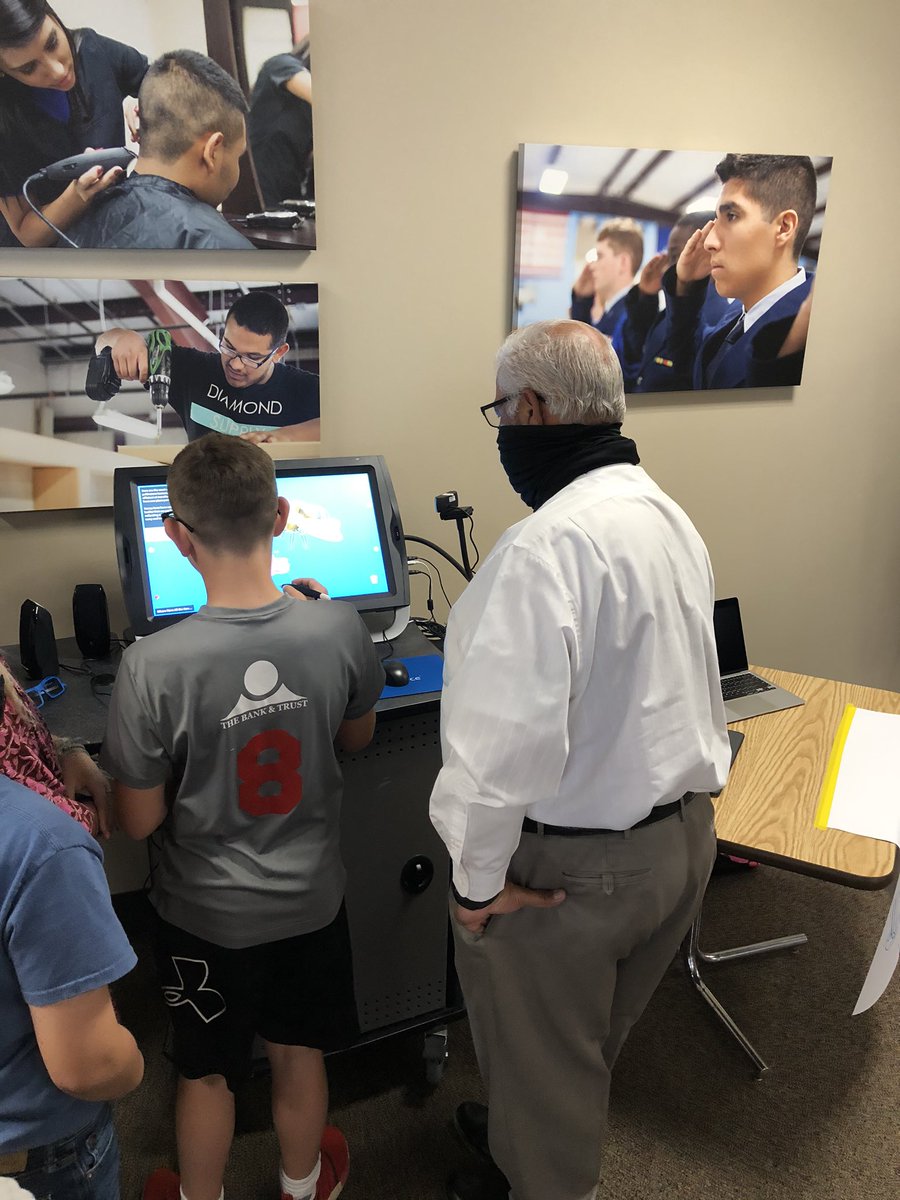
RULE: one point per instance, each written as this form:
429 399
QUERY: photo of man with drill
245 390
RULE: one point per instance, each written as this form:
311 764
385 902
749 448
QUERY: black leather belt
659 813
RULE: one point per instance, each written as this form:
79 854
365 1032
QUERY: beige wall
148 25
419 108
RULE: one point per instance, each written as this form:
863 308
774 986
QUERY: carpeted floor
687 1117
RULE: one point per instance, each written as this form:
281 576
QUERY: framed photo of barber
698 265
156 124
97 374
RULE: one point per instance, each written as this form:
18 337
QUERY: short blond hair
626 237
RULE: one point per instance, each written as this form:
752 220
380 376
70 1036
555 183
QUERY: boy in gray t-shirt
222 734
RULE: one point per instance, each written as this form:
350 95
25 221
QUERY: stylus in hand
310 589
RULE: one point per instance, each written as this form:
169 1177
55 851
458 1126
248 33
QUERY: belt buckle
13 1163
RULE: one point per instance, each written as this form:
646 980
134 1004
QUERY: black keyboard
747 684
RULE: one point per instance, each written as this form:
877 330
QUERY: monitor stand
386 624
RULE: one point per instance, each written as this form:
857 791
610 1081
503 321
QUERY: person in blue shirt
61 93
63 1053
751 252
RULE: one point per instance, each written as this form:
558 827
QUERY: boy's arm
139 811
87 1053
134 756
355 734
66 945
356 730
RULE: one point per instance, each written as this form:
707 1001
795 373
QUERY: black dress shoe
471 1121
486 1183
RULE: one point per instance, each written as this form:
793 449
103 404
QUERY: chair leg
753 950
692 957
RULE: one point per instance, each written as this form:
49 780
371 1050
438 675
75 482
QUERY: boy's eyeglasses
166 515
48 688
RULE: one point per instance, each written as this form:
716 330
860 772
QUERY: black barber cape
204 399
147 212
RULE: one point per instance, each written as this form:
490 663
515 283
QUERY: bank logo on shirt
263 694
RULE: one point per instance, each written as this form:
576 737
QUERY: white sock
300 1189
184 1197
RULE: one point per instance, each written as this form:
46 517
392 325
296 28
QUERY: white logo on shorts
192 974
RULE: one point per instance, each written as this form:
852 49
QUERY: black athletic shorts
295 992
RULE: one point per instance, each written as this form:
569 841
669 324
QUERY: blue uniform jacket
752 361
610 323
648 361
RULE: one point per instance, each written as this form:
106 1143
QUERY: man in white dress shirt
582 730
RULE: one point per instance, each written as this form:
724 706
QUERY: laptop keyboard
747 684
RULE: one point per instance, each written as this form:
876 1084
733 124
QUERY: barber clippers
73 167
159 374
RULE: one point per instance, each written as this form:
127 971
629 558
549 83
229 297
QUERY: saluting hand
651 276
584 284
694 260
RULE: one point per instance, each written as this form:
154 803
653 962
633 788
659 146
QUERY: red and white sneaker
162 1184
335 1160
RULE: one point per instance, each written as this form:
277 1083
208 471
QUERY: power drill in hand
103 382
159 371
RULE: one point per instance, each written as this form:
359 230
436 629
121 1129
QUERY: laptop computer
745 694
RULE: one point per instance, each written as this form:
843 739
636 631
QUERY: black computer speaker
37 644
90 615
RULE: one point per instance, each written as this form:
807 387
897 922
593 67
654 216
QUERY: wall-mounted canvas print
698 265
96 374
156 125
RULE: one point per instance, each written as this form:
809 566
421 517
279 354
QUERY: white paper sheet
885 961
866 801
867 792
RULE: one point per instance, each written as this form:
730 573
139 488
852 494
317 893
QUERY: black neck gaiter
541 459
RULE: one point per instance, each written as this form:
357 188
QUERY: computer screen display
343 529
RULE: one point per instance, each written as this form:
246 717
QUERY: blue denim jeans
84 1166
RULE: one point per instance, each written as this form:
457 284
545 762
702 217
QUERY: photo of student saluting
244 390
751 251
647 358
61 93
193 135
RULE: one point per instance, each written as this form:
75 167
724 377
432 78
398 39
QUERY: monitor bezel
132 560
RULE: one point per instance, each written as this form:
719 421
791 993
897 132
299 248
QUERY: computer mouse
395 672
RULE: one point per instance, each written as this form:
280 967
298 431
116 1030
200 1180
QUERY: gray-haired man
581 738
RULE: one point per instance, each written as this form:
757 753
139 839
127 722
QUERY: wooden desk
766 812
767 809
